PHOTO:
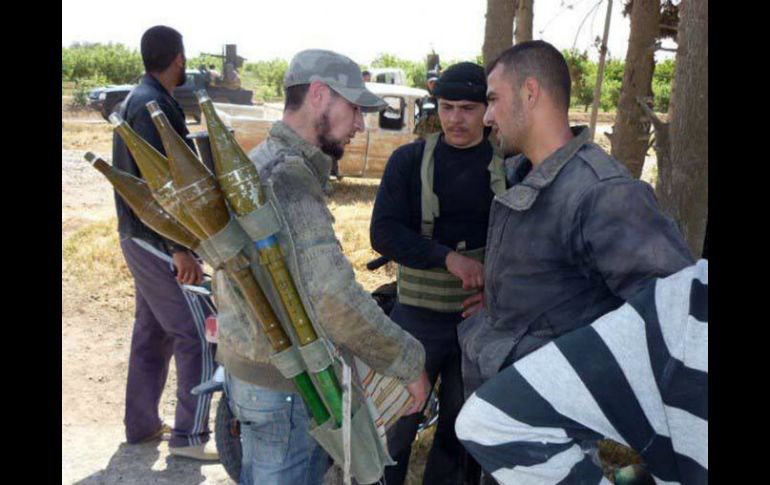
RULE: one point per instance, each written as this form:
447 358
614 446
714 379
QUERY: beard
330 146
182 77
512 144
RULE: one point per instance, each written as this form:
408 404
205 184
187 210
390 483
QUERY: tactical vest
436 288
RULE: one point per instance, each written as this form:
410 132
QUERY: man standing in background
167 320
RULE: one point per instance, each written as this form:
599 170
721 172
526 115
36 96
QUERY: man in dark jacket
430 216
573 238
168 322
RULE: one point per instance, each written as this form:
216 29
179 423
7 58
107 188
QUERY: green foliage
613 80
416 71
205 60
266 78
661 84
113 62
82 87
583 75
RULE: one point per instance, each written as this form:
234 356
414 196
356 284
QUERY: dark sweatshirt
461 182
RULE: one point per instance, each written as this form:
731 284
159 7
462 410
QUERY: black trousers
437 333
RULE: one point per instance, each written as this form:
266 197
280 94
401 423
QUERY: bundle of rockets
181 199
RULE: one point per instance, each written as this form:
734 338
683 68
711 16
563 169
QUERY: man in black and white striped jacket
637 375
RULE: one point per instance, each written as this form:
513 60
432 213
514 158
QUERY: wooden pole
600 71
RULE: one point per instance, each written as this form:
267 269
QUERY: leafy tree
661 84
613 79
581 71
268 76
205 60
114 62
415 71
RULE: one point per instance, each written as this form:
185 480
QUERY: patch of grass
93 266
351 203
87 136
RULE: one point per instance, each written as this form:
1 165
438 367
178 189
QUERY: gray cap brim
367 100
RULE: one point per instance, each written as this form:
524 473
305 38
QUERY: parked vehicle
107 99
367 153
388 75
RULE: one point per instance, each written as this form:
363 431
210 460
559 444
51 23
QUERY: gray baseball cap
338 72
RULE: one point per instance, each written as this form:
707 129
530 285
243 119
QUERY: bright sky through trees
358 29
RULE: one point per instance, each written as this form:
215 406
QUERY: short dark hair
365 73
540 60
159 46
295 96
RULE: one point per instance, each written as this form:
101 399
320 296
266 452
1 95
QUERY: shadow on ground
138 464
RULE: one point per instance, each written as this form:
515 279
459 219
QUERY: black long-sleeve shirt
461 182
135 113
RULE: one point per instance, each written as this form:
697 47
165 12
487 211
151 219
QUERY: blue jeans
277 448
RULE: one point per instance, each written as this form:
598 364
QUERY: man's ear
317 93
531 92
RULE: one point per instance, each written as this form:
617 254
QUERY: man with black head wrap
430 216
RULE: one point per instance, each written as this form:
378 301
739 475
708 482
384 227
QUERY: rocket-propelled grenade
201 196
137 195
195 185
236 174
240 182
155 170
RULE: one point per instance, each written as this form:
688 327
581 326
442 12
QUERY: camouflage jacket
427 124
348 314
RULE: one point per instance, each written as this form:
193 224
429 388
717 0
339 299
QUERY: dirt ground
97 317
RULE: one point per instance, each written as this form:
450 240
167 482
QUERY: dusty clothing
570 241
349 315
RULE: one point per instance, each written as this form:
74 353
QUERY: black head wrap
464 81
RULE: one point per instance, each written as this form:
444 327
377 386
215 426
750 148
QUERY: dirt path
96 334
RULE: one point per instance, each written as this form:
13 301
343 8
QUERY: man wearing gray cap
325 98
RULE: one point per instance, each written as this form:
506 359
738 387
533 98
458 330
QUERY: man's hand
473 304
188 271
470 271
419 390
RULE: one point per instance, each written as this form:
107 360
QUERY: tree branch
659 124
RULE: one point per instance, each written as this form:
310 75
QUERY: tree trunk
682 186
524 16
498 31
631 133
